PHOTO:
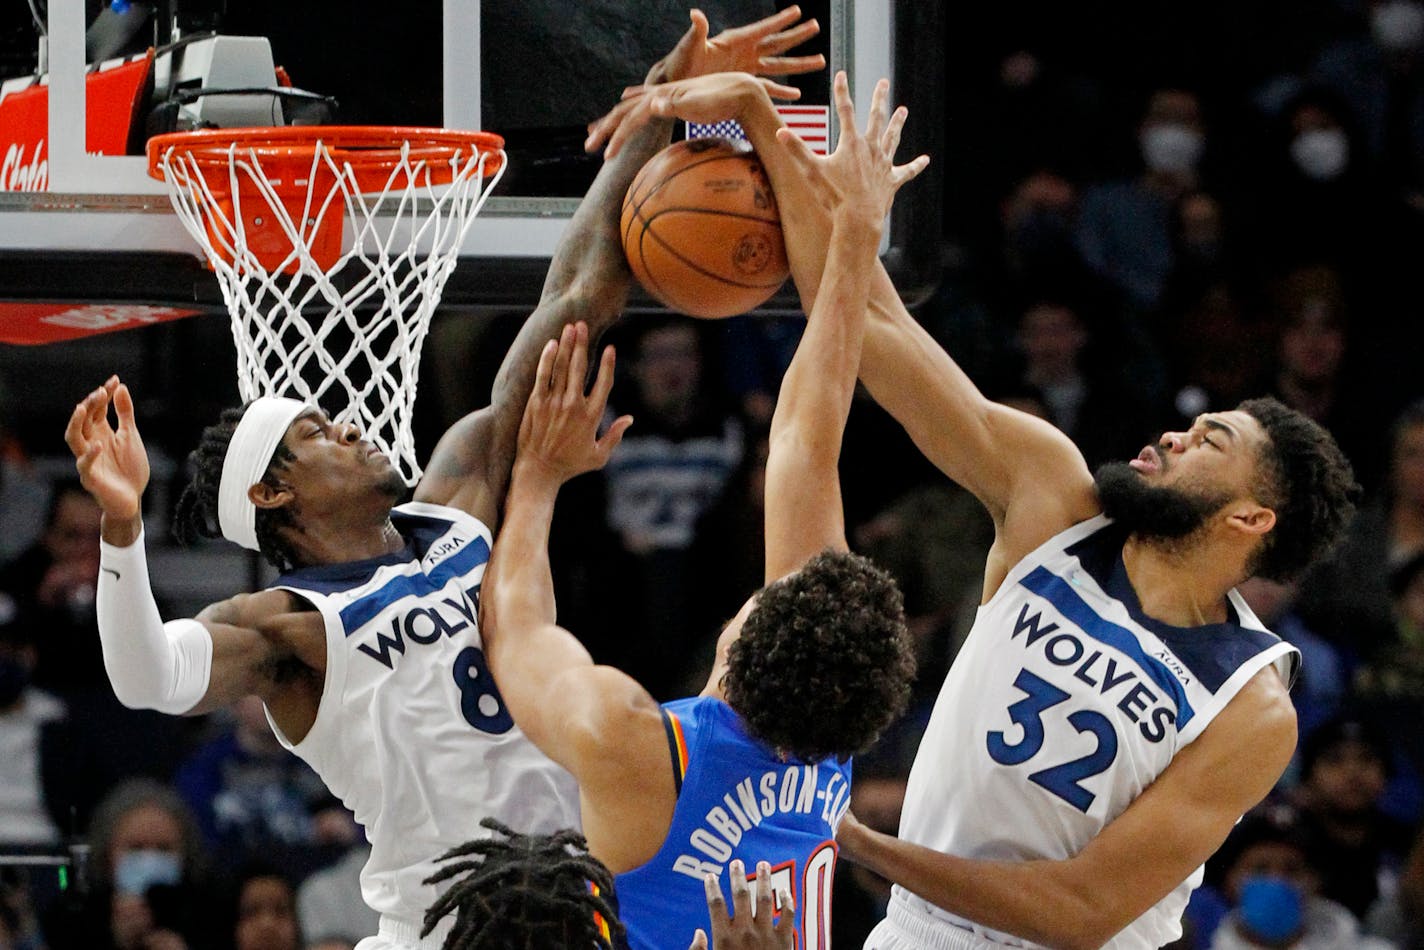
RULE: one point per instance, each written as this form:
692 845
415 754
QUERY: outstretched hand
558 437
112 462
754 48
742 930
709 98
861 173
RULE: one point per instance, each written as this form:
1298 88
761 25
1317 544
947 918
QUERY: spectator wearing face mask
1316 200
149 888
1124 230
1378 74
1264 871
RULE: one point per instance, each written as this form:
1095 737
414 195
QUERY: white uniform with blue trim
411 733
1065 703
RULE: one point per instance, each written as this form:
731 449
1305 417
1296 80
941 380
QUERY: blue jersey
736 800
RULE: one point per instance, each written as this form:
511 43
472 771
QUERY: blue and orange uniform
737 799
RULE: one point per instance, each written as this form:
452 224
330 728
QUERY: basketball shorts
906 928
397 934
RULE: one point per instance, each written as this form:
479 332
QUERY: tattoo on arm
283 669
588 280
588 277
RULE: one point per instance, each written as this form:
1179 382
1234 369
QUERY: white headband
249 453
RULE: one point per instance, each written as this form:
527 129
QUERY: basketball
701 230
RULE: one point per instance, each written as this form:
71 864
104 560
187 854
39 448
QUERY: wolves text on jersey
1096 668
423 625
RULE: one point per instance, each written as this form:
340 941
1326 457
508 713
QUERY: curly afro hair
1309 483
195 516
823 663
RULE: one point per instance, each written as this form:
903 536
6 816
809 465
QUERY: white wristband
151 665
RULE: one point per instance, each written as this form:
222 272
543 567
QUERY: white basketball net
348 337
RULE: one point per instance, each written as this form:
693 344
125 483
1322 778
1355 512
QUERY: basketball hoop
316 306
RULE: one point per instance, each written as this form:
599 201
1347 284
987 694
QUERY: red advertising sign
113 103
34 323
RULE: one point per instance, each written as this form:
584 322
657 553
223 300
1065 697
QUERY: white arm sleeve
152 665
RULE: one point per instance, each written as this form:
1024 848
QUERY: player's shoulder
429 512
465 459
419 521
252 610
1259 722
1266 696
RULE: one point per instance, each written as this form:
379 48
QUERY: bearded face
1154 512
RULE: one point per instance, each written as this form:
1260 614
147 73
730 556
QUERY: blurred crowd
1135 240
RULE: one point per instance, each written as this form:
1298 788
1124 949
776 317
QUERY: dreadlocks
525 892
196 514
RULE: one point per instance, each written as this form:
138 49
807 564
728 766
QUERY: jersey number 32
1064 778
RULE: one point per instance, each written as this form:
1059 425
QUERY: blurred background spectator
1269 881
1347 597
329 903
1124 228
266 911
670 469
255 800
28 817
1356 847
149 879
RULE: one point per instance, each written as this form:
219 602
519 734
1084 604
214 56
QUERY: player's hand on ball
710 98
754 48
742 930
861 173
558 437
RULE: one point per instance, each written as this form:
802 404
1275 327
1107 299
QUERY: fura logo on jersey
1099 670
422 626
22 172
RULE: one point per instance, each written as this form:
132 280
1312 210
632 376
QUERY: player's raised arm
1028 474
595 721
856 185
544 672
183 666
588 278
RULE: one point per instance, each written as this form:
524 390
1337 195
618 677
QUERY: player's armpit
1136 861
265 645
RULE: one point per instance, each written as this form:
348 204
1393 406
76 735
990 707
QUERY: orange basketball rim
275 189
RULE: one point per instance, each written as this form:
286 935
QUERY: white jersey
411 733
1065 703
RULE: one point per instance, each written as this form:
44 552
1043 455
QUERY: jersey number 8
480 702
